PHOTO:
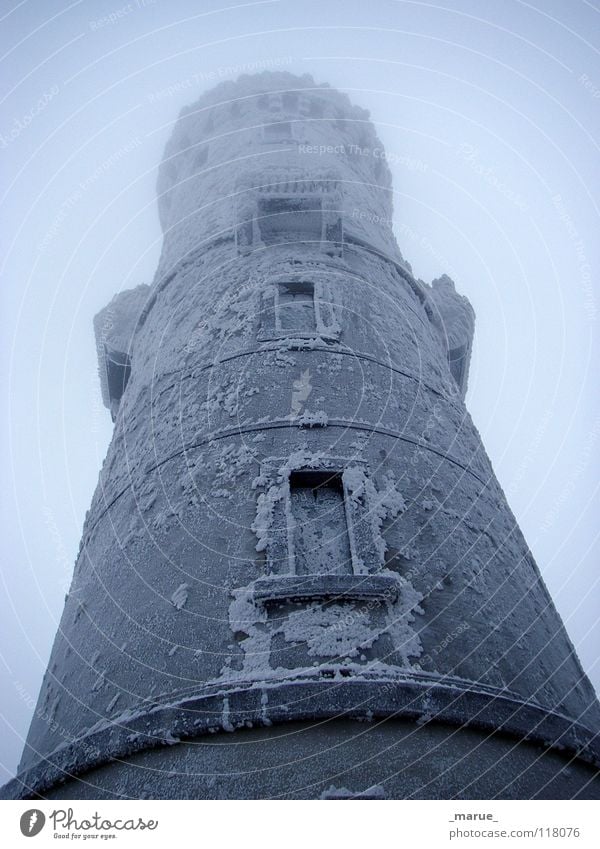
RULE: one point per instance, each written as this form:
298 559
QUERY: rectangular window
118 370
298 309
295 306
280 131
457 360
290 220
320 540
201 157
304 210
290 101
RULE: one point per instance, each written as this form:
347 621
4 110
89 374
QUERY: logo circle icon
32 822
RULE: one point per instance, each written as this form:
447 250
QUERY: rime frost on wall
328 629
362 384
227 191
339 632
180 596
376 791
114 329
454 317
333 631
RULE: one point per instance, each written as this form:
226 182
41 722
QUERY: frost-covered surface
376 791
332 631
425 712
180 596
212 132
115 327
318 418
453 315
191 506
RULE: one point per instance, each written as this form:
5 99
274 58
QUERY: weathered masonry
299 576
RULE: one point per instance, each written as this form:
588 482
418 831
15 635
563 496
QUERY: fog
490 116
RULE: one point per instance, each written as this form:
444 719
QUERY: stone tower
299 576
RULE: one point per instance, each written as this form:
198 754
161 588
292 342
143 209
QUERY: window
319 531
275 102
303 208
363 140
319 538
290 101
457 360
118 369
290 219
201 157
298 309
295 306
280 131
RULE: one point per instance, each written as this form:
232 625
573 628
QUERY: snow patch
264 515
180 596
333 631
316 419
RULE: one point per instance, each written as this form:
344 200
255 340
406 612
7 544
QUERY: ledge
303 338
315 698
281 588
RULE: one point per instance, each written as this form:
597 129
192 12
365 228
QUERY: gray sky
490 113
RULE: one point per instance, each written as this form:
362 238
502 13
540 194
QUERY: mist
490 117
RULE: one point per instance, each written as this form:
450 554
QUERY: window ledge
280 588
302 335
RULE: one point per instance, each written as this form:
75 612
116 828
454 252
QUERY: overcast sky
490 112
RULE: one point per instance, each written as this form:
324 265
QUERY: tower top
272 133
272 82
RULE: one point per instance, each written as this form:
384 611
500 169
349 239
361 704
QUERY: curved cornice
241 705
